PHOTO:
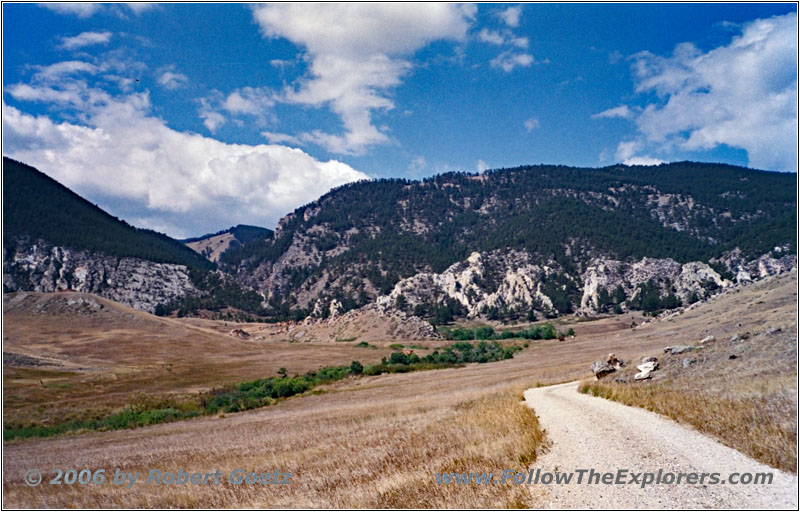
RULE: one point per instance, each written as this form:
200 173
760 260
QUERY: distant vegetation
242 233
534 208
535 332
37 207
243 396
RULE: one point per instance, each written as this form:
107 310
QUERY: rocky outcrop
693 278
369 323
649 365
497 279
137 283
513 279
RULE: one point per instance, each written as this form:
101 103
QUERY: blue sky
189 118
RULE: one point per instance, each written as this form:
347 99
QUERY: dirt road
594 433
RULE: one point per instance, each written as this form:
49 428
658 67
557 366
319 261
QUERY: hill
37 207
360 241
213 246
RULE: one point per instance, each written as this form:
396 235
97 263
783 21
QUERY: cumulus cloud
642 160
491 36
355 62
79 9
282 138
531 124
511 16
86 10
621 112
514 55
249 101
417 166
130 161
172 81
140 7
509 60
626 153
743 94
84 39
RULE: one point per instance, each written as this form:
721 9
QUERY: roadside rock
680 349
240 333
601 369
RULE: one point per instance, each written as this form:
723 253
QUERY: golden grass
378 441
759 426
749 402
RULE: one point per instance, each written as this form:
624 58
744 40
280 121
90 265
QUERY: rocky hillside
522 243
213 246
54 240
135 282
551 239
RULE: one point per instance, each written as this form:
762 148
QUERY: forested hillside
357 241
36 207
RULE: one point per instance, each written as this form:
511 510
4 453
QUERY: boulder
601 369
707 339
240 333
612 360
680 349
642 376
647 367
688 361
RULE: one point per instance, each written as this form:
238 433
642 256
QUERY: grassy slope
375 441
749 402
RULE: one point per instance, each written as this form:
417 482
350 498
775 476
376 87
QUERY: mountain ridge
541 234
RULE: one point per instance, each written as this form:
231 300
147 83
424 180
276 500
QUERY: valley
377 441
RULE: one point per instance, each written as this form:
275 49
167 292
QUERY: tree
282 371
619 294
356 368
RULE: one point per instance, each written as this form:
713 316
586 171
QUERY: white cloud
249 101
118 153
79 9
172 81
531 124
86 10
282 138
355 62
509 60
622 112
743 95
140 7
481 166
85 39
626 153
417 166
212 119
511 16
491 36
642 160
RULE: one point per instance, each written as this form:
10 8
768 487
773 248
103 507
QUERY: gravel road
594 433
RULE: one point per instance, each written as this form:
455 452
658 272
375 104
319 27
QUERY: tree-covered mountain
214 245
359 240
504 244
37 207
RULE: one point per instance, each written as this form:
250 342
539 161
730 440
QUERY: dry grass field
740 388
92 360
368 441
